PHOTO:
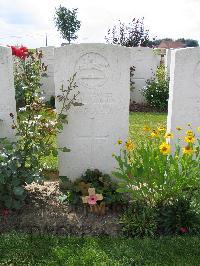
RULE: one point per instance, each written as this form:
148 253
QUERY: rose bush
35 126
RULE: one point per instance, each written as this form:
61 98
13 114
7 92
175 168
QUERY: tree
67 23
131 35
189 42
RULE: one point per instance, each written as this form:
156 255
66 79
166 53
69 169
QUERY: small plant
79 190
139 220
178 217
132 83
150 172
166 183
156 91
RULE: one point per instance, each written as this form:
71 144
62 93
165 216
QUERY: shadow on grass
21 249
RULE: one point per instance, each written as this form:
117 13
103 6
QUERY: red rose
5 212
183 230
21 52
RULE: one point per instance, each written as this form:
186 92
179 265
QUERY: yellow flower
179 128
113 155
189 133
154 134
160 129
190 139
189 125
129 145
146 129
119 141
169 135
198 129
187 150
164 148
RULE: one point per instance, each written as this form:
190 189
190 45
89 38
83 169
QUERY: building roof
171 44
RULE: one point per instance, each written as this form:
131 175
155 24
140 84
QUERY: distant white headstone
7 93
168 61
47 80
93 129
145 61
184 92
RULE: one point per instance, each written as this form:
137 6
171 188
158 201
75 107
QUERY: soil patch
45 213
141 107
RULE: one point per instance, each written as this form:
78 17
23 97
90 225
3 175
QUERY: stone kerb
184 91
7 93
47 81
103 81
145 61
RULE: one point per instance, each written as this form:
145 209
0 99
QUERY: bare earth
44 213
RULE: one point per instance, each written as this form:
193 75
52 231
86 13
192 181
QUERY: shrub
139 220
168 183
35 127
27 76
156 91
102 183
178 217
150 172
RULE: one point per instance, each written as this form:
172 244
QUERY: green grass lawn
22 250
136 122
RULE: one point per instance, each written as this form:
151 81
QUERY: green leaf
65 149
118 175
64 178
63 198
18 191
123 190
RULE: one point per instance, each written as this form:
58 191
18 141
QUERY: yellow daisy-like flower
129 145
189 139
160 129
119 141
179 128
169 135
154 134
164 148
189 125
187 150
189 133
146 129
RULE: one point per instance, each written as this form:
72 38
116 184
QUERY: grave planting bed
45 213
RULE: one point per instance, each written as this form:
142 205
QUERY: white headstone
93 129
168 61
47 80
145 61
184 91
7 93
